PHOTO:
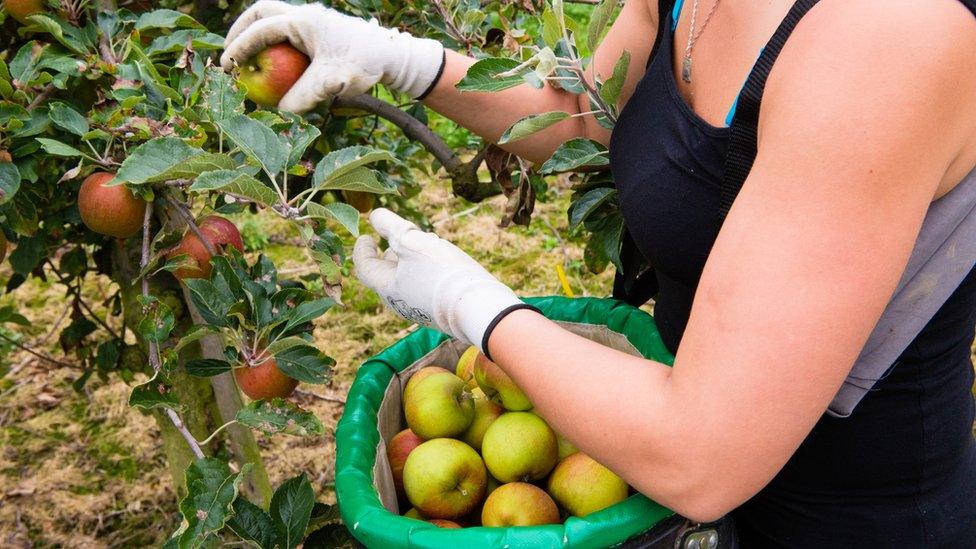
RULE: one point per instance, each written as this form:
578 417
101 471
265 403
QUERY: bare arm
853 147
633 31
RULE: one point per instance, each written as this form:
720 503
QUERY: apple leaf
194 166
58 148
207 367
574 154
483 76
198 39
9 181
532 124
344 161
250 522
223 98
588 203
211 489
285 343
341 212
279 416
305 363
155 393
360 179
157 320
306 312
552 28
66 118
599 19
151 161
257 141
166 19
207 301
300 135
235 182
610 90
194 334
291 507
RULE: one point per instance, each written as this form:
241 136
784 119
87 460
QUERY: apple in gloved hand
444 478
269 75
519 446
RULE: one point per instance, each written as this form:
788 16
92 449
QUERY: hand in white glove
348 55
428 280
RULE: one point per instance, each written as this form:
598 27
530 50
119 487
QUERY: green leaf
610 90
207 301
330 536
552 28
237 183
257 141
305 363
58 148
305 313
166 19
9 181
360 179
194 166
223 98
300 135
250 522
574 154
194 334
341 212
207 367
343 161
8 315
588 203
177 41
279 416
68 119
483 76
152 160
285 343
599 19
211 489
291 507
43 23
157 320
532 124
155 393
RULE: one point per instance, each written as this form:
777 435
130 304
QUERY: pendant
686 69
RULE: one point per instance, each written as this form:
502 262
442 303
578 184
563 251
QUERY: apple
519 504
112 211
519 446
493 484
442 523
20 9
361 200
444 478
438 406
264 381
498 386
566 448
219 231
421 374
485 413
397 451
582 486
269 75
414 514
5 156
465 365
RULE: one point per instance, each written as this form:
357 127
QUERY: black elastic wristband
498 318
437 77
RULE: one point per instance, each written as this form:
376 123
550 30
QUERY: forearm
490 114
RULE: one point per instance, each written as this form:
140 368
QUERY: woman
868 117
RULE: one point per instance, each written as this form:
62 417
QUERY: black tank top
901 470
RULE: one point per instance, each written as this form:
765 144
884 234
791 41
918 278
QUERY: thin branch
40 97
76 291
184 213
207 440
39 355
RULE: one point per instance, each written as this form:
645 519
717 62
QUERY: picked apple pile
475 454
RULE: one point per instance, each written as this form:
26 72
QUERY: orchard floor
85 470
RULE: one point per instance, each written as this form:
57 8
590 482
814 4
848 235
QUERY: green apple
397 451
582 486
465 365
498 386
485 413
269 75
566 448
421 374
438 406
444 478
519 504
414 514
519 446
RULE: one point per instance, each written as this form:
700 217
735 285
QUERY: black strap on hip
745 121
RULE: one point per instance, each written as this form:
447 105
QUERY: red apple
444 478
519 446
397 451
438 406
582 486
269 75
519 504
20 9
112 211
442 523
264 381
498 386
220 232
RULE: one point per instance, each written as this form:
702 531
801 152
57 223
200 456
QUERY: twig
42 356
76 291
42 341
326 398
191 223
207 440
451 27
40 97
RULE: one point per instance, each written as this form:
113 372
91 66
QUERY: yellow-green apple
438 406
444 478
363 201
415 514
519 446
112 211
566 448
269 75
519 504
220 232
465 365
498 386
20 9
444 523
581 486
264 381
397 451
485 413
421 374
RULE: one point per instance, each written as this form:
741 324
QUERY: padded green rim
357 439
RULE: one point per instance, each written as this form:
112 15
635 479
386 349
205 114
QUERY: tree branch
185 214
42 356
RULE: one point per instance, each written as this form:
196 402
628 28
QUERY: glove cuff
475 309
421 67
498 318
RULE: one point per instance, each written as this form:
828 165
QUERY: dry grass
85 470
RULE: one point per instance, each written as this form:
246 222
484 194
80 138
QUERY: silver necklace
693 38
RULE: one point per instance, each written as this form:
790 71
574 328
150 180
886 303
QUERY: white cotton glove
348 55
428 280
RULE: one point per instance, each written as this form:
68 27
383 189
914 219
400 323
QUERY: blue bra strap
675 13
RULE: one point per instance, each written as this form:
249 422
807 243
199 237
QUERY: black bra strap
742 143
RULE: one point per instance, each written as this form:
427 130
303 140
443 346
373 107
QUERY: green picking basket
364 483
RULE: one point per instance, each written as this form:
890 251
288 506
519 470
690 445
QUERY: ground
85 469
